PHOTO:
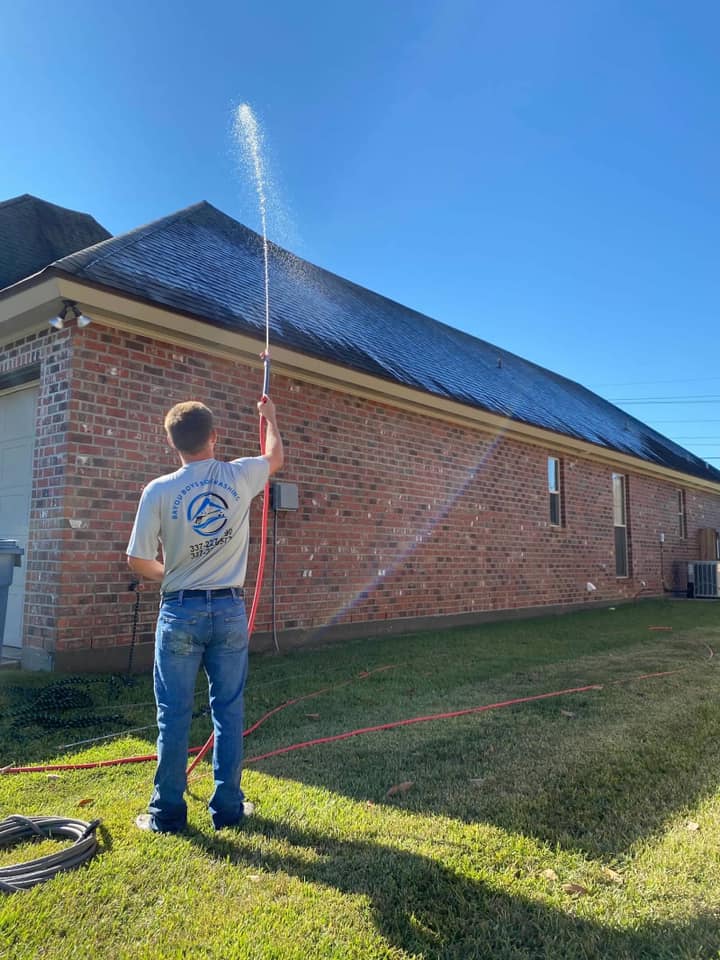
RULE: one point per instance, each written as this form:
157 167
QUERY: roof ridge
12 200
125 240
48 204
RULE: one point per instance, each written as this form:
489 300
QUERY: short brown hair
189 425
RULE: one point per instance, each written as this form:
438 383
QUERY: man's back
200 514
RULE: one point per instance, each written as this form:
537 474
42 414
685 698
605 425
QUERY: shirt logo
208 514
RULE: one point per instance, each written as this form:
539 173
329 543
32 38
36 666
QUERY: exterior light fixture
69 312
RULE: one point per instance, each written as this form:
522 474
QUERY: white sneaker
144 821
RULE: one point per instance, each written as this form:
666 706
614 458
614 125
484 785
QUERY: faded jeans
210 629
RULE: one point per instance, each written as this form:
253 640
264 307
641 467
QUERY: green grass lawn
615 791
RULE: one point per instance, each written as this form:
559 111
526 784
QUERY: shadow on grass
42 715
621 794
598 800
424 908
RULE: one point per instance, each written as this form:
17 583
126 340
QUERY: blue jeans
192 630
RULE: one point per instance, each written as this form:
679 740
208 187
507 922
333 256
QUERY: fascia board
27 309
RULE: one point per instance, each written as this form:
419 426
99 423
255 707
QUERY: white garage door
17 440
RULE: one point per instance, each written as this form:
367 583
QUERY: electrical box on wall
283 496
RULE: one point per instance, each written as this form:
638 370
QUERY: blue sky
541 174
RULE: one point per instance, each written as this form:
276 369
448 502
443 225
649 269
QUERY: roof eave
40 297
29 304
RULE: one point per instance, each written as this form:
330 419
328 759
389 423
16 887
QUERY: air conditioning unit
704 578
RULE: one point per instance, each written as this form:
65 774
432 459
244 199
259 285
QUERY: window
554 491
620 524
682 516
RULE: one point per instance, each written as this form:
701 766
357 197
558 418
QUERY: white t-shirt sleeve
255 473
146 529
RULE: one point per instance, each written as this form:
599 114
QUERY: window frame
682 514
622 569
555 494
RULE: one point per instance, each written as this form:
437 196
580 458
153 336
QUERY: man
199 515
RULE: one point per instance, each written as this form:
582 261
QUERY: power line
710 398
649 383
698 396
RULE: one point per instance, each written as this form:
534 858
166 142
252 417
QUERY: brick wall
400 516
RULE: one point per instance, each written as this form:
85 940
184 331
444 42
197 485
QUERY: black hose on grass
136 610
16 828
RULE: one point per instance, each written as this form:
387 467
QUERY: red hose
432 716
351 733
143 758
263 536
316 693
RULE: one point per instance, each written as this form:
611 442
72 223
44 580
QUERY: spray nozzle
265 356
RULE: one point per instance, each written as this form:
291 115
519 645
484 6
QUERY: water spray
249 137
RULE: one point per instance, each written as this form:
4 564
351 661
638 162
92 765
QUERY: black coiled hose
16 828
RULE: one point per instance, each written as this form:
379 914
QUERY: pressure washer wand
265 355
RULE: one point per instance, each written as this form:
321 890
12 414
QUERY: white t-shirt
199 515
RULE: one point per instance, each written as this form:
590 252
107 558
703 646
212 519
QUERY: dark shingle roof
33 233
204 263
